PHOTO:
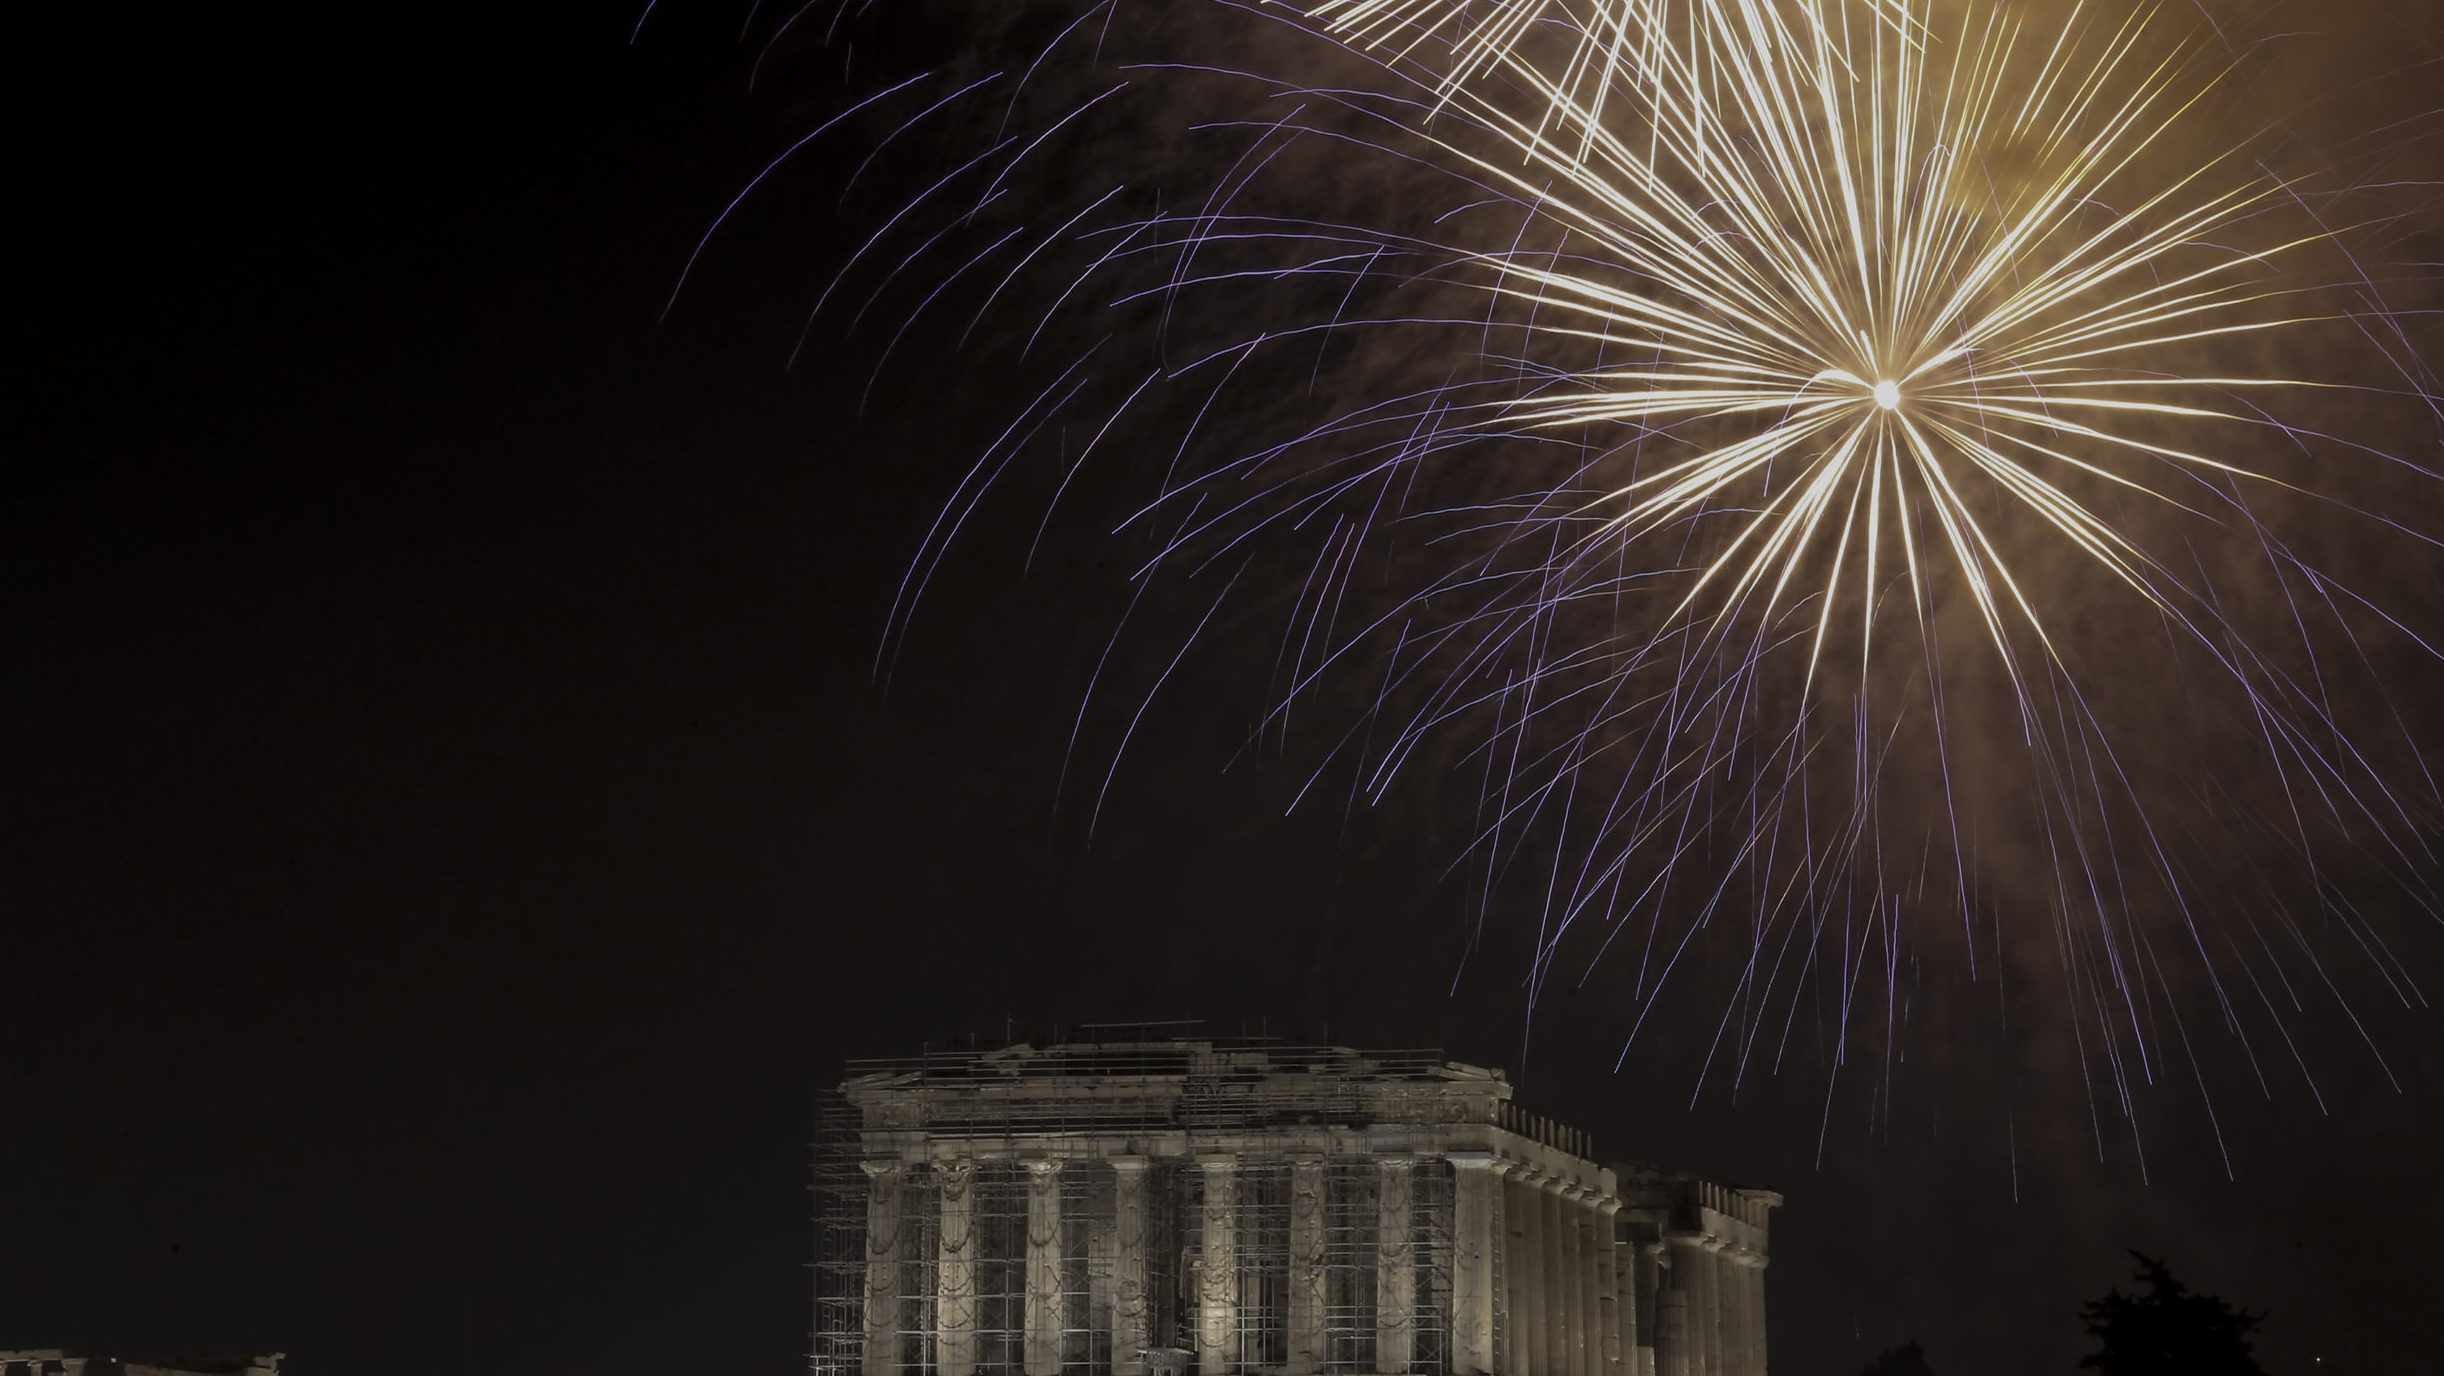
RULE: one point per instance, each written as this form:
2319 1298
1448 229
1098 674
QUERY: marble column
1506 1351
1131 1304
1395 1265
1303 1350
1692 1276
1641 1303
1673 1342
1044 1316
1747 1277
1476 1257
954 1298
1603 1289
1553 1207
1218 1267
1757 1263
1712 1347
882 1353
1570 1292
1531 1317
1732 1278
1616 1307
1648 1259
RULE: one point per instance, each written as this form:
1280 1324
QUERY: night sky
451 828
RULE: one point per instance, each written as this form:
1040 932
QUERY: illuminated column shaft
1531 1345
1130 1306
1756 1279
1044 1316
1476 1255
882 1354
1553 1281
1605 1278
1517 1357
1304 1349
1218 1276
955 1272
1748 1279
1739 1322
1692 1272
1672 1338
1709 1310
1642 1300
1395 1266
1506 1264
1570 1290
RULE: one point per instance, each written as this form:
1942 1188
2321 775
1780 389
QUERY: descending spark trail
1839 456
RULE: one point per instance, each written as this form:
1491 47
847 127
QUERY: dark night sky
450 830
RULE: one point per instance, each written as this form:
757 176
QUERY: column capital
878 1169
1128 1163
1479 1160
1042 1165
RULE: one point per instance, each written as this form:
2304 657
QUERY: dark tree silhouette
1909 1359
2167 1330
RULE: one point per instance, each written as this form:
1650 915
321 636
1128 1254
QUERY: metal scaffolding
1305 1131
1151 1207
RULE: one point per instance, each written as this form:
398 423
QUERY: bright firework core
1888 394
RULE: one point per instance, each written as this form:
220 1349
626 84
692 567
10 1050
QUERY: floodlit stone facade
1160 1208
57 1361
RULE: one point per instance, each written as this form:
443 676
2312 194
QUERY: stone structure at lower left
60 1361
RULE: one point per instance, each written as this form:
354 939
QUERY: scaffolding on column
1269 1114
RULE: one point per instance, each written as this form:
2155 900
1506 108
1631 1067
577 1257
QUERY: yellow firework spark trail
1784 245
1826 373
1882 357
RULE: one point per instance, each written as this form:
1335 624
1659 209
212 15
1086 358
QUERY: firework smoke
1828 483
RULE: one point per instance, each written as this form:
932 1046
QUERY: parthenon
1167 1207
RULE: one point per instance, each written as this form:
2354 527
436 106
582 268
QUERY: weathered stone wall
1186 1207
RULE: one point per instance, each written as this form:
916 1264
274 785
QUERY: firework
1808 493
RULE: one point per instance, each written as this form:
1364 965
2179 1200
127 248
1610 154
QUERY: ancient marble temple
1160 1208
